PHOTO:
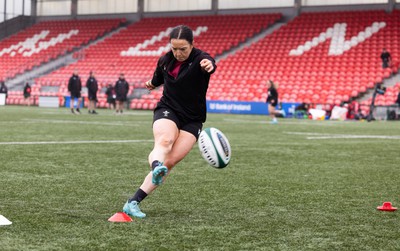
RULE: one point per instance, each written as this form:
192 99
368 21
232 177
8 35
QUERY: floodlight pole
391 5
5 11
74 9
33 8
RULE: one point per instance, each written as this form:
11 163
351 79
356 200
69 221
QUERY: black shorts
121 98
92 96
111 101
75 95
274 104
192 127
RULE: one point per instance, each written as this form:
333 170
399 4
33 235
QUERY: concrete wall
14 25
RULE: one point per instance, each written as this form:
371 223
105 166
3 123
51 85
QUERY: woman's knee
166 142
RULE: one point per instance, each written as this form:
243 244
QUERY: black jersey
27 91
92 86
385 56
75 85
185 94
4 89
272 95
121 89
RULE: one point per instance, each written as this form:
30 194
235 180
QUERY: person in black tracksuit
386 58
272 101
121 91
179 115
4 89
110 93
398 98
75 87
93 87
27 94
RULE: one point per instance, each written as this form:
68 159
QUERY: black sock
155 164
139 196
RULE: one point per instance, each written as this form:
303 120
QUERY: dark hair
182 32
272 83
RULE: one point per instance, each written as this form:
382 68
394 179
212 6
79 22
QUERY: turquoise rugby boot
132 209
158 173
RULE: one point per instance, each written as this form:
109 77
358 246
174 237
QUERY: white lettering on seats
137 50
337 34
32 45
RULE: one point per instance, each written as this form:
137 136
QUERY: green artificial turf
297 185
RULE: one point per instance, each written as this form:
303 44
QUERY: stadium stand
135 50
326 57
47 40
320 57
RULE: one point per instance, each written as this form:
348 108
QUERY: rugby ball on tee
214 147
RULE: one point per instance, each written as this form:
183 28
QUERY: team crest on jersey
166 113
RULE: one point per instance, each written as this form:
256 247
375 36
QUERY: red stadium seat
315 70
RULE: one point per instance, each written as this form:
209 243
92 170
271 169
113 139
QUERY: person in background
75 87
27 94
398 98
110 93
121 90
4 89
353 110
301 111
93 87
272 100
178 119
386 58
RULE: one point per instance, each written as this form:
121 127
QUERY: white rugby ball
214 147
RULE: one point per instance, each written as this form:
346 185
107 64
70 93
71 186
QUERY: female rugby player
272 100
179 115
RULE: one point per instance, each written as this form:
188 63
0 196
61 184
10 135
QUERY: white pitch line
285 122
79 122
307 133
355 137
342 136
75 142
245 121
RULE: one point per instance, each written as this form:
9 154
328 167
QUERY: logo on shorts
166 113
198 133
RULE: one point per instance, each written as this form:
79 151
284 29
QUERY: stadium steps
251 40
389 82
107 35
18 82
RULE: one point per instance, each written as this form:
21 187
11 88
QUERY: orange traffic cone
120 217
